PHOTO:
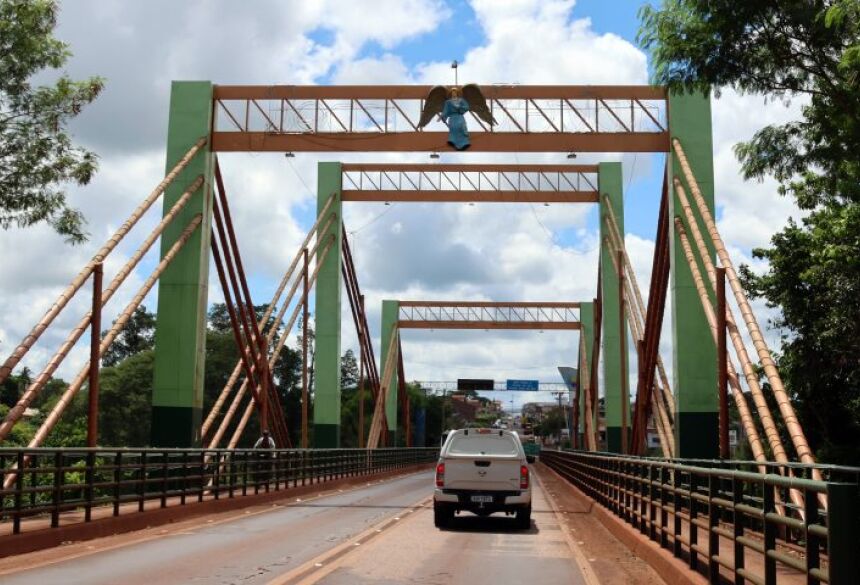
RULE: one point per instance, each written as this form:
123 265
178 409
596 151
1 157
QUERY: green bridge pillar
180 334
695 356
390 316
610 183
586 339
326 429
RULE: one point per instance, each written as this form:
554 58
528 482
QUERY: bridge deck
314 541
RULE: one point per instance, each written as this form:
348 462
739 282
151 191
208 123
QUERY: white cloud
454 251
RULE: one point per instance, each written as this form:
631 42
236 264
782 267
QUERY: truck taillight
440 475
524 477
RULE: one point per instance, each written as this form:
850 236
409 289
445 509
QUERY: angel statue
452 106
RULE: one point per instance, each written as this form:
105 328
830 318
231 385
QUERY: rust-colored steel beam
251 141
384 118
271 404
356 301
231 290
722 356
95 357
305 315
625 394
653 318
234 322
359 316
403 196
243 283
595 354
488 315
417 92
466 168
406 324
466 183
491 304
403 394
361 378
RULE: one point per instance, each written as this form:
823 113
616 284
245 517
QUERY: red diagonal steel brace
234 322
360 318
653 323
246 314
272 395
595 352
404 395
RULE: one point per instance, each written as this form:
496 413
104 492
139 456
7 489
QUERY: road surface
314 541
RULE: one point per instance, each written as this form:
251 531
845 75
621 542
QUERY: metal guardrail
671 502
54 481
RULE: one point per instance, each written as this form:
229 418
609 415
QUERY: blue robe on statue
453 114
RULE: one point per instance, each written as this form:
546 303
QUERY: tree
786 50
138 335
36 154
222 356
348 370
125 401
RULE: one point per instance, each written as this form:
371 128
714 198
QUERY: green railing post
19 494
184 478
201 476
769 534
738 529
55 496
164 473
713 536
142 485
842 522
89 491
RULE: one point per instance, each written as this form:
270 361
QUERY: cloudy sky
407 251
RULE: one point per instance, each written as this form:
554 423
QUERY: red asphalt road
314 541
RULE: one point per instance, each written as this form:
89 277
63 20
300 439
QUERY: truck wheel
524 518
442 516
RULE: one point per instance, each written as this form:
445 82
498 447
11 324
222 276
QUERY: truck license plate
482 499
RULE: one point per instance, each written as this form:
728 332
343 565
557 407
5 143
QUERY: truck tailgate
491 473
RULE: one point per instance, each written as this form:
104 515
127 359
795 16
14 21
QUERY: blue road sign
522 385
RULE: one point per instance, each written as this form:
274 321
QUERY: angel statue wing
477 103
433 104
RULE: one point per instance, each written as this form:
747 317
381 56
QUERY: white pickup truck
482 471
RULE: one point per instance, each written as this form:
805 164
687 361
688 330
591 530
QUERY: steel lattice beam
487 315
385 118
466 183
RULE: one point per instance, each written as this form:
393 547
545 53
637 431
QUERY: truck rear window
483 445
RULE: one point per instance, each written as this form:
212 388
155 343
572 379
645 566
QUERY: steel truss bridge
779 517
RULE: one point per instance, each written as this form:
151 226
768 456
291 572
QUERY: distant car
482 471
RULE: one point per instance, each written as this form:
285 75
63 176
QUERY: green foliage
125 401
221 358
348 369
138 335
551 423
13 386
783 50
37 154
21 432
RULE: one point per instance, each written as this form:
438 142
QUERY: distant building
466 407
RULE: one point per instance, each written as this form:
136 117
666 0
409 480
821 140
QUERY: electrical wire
296 173
374 220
